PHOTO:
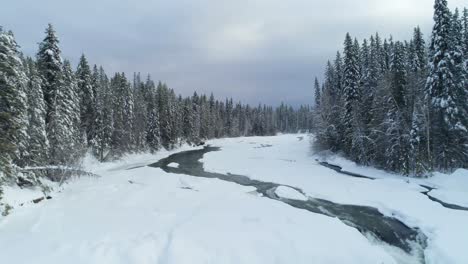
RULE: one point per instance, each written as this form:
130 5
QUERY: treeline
52 115
402 106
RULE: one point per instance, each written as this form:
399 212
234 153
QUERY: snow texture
289 193
138 214
290 162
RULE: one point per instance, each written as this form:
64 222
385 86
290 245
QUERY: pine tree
153 137
174 119
196 118
396 125
140 113
350 91
417 104
188 122
38 144
87 100
13 101
105 117
63 133
329 115
50 68
122 136
465 35
317 93
164 105
447 129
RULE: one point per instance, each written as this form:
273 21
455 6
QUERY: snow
289 193
16 197
138 214
109 220
173 165
292 162
451 188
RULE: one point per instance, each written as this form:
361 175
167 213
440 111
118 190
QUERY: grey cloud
253 50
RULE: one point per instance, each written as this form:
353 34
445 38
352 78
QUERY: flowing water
368 220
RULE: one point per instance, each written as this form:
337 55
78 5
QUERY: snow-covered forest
54 115
100 167
400 105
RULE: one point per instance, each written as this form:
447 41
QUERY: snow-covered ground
291 161
145 215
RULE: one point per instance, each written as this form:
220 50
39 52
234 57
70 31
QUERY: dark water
368 220
444 204
426 193
340 170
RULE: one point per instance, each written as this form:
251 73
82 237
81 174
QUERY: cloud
252 50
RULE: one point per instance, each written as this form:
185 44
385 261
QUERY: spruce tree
317 93
38 144
87 100
140 113
49 63
417 105
153 130
396 125
13 101
447 129
122 136
104 116
63 132
465 35
188 122
350 91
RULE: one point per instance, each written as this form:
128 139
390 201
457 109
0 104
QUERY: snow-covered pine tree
61 130
174 119
211 117
13 106
73 109
104 116
87 100
49 63
162 98
196 118
368 83
465 35
228 117
350 92
235 132
317 93
122 136
417 65
188 125
38 144
140 112
447 129
153 137
203 117
395 124
179 119
380 54
329 115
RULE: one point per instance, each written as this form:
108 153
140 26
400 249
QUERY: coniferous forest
400 105
52 115
104 164
397 105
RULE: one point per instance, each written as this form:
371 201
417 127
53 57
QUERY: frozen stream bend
368 220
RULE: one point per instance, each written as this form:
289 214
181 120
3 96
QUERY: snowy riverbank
145 215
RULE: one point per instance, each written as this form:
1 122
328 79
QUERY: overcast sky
252 50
